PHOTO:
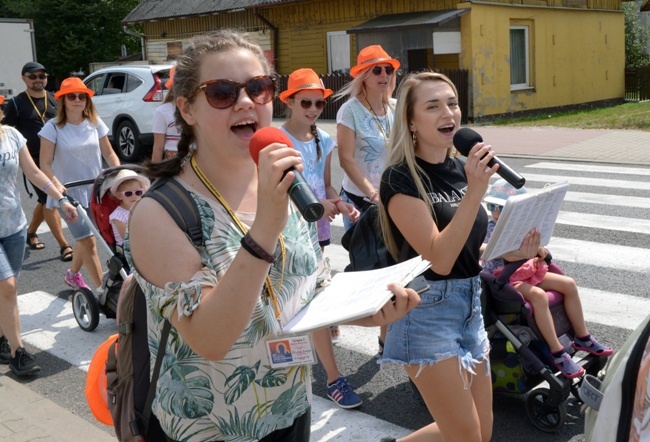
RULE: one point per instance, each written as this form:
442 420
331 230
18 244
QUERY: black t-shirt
27 120
448 184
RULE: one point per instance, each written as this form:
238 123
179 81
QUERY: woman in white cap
72 147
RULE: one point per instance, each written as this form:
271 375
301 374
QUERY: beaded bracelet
249 244
46 186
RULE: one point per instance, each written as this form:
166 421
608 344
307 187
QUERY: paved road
602 239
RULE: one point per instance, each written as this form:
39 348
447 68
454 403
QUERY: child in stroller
87 305
534 309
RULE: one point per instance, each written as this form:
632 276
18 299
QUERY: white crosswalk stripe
48 323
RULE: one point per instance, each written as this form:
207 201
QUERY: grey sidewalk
601 145
28 416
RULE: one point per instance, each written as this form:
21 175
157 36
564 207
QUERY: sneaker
567 366
343 393
592 346
75 281
5 350
23 363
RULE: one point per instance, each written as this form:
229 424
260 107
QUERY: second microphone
300 193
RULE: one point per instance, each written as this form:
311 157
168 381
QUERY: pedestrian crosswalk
601 239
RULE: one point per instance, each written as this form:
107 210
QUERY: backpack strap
180 205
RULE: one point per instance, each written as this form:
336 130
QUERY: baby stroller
520 358
86 304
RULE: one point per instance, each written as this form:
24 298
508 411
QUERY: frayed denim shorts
447 324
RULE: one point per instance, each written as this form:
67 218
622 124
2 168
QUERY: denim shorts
80 229
12 252
447 324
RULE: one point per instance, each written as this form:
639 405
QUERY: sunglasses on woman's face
494 207
306 104
39 76
221 94
377 70
74 97
130 193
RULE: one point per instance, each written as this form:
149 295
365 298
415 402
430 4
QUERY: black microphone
300 193
466 138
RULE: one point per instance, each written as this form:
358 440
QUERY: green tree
70 34
636 37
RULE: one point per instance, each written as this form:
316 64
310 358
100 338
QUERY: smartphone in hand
419 284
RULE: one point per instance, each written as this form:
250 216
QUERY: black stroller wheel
85 309
545 417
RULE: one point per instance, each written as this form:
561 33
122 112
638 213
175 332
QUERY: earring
415 139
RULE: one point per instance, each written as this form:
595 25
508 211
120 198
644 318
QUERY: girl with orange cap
72 147
363 128
305 99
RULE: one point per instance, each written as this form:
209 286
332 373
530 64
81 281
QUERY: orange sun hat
370 56
96 383
304 79
71 85
2 99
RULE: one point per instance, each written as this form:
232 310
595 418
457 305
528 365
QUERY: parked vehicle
126 97
14 55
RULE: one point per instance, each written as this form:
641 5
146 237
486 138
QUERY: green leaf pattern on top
240 398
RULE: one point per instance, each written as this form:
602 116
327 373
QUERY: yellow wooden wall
578 56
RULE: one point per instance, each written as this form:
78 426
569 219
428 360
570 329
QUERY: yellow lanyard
270 291
42 116
385 134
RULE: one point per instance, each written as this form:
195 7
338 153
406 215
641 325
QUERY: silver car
126 98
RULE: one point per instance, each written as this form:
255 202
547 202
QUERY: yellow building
521 55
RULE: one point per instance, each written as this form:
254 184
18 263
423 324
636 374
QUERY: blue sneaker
341 392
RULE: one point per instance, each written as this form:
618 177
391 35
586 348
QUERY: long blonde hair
357 87
402 148
89 112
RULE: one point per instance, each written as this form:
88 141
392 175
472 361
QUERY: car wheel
129 147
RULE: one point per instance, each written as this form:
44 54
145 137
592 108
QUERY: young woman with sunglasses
305 99
72 147
363 128
228 301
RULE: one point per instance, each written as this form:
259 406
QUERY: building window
519 58
338 52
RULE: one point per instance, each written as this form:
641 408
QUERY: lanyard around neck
270 291
385 134
42 116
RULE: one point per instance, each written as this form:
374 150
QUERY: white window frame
526 85
343 51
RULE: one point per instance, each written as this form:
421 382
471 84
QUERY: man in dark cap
28 112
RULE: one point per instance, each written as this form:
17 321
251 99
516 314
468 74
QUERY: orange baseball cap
304 79
71 85
370 56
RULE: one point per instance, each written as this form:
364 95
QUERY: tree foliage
70 34
636 37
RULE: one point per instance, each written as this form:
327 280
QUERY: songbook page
354 295
537 208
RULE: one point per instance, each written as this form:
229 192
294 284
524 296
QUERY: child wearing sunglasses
305 99
127 188
532 280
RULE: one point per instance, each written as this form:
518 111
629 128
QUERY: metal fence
637 84
460 78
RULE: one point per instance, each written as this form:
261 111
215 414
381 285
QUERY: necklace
42 116
269 291
385 134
